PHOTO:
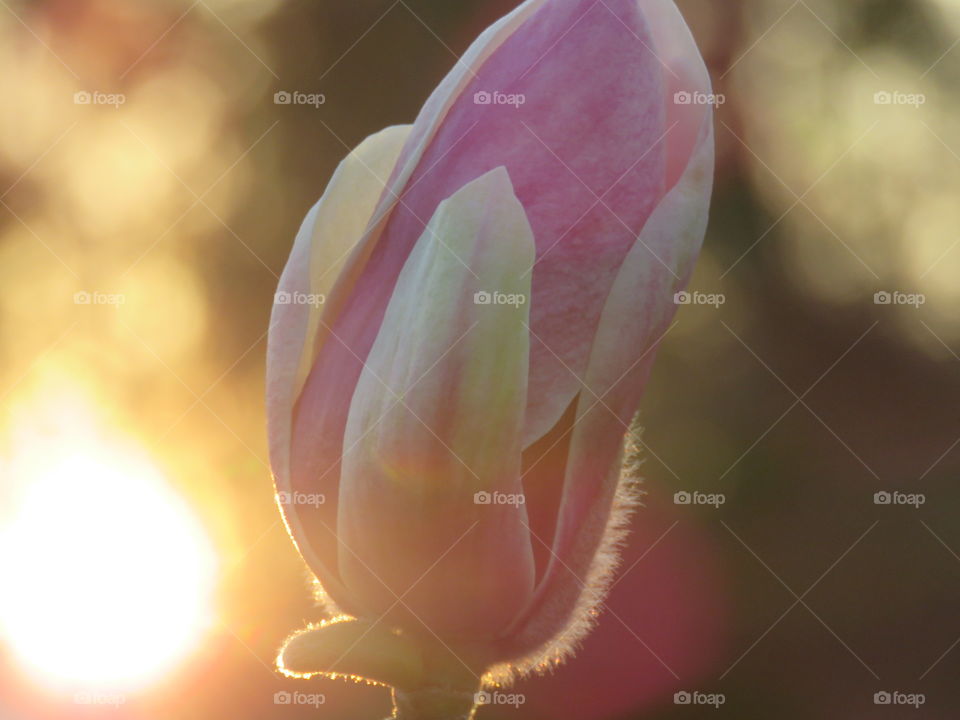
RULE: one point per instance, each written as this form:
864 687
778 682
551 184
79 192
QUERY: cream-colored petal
437 417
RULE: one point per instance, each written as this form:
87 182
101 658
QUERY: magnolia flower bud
496 278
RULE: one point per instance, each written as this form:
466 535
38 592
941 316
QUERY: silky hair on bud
627 498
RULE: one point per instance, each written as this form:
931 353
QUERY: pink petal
606 127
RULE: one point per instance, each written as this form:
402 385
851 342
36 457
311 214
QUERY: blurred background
150 189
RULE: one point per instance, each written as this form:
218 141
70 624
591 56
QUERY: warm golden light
107 577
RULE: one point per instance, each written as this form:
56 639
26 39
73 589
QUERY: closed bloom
447 427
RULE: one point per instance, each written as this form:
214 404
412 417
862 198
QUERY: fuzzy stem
434 703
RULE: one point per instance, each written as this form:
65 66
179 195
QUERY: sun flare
107 576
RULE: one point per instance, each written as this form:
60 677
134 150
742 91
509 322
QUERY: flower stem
433 703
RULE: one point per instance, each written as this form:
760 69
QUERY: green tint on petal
454 343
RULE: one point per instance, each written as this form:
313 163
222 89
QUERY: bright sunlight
107 576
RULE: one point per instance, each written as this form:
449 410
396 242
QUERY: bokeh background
144 223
